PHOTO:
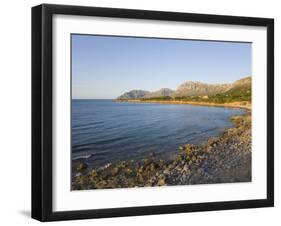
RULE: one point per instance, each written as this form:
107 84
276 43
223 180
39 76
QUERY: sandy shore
243 105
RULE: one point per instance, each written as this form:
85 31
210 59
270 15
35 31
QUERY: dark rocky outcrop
134 94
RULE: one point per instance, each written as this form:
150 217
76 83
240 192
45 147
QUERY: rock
152 167
178 168
161 181
180 157
123 164
101 184
140 170
152 179
161 163
78 174
200 171
82 166
129 172
94 173
166 172
115 171
217 158
147 161
185 168
189 148
140 178
198 161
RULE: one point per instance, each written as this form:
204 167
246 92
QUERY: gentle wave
104 131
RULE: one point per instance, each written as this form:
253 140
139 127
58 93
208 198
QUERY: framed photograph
145 112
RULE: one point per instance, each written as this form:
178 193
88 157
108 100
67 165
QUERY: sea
105 131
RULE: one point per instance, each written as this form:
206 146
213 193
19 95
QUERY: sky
104 67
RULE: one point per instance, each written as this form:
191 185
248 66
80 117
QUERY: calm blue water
104 131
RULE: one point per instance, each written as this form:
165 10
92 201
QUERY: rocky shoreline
222 159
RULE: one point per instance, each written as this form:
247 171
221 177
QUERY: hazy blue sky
105 67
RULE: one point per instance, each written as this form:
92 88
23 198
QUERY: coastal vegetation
233 95
239 91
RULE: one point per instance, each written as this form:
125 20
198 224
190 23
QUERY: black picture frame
42 111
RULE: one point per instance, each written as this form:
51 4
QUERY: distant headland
236 94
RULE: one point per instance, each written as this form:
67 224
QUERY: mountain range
192 88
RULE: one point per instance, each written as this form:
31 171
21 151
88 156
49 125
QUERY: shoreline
242 105
222 159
